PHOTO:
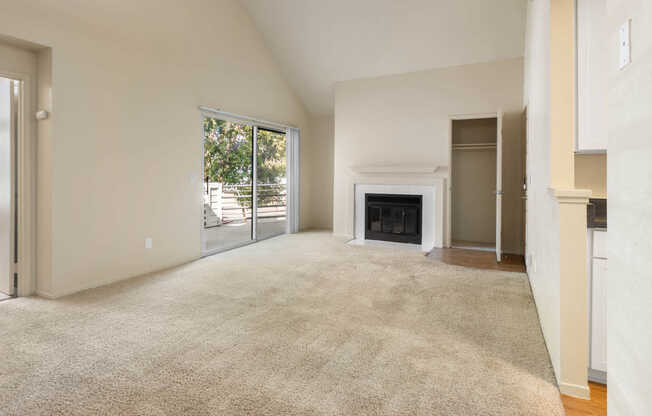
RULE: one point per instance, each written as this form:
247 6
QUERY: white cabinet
592 63
598 313
599 244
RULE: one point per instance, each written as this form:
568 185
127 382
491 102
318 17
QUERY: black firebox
392 217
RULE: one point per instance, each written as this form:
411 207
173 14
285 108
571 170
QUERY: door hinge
15 292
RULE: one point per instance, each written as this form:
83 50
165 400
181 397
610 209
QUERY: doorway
246 166
476 183
10 96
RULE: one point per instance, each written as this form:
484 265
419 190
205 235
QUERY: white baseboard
343 236
104 282
597 376
575 390
46 295
80 288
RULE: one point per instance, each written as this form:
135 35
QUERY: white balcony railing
230 204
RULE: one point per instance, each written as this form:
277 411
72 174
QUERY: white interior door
5 185
499 184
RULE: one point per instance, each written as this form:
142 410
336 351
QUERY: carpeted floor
297 325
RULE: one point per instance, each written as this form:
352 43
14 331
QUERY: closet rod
474 146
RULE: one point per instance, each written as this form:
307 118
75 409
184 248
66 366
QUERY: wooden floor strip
479 259
597 406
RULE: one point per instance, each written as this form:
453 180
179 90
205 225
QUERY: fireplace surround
393 217
432 210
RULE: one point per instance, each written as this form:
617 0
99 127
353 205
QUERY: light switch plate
148 242
624 45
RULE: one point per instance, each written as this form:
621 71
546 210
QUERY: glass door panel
271 183
228 184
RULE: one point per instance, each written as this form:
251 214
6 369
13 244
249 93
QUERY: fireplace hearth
393 217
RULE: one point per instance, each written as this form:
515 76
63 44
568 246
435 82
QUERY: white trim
254 184
591 152
571 196
26 181
293 167
248 120
385 244
576 90
44 294
499 186
473 116
398 169
448 232
200 187
292 150
575 390
597 376
431 222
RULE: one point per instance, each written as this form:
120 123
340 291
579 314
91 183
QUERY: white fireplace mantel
399 169
426 180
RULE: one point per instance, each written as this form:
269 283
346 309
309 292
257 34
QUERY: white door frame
25 200
292 171
449 197
499 186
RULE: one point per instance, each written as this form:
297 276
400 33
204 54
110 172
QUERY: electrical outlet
148 242
624 45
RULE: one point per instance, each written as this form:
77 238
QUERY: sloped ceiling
320 42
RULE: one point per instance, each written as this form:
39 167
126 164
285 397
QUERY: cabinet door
599 315
592 64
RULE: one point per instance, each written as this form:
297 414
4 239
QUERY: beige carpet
297 325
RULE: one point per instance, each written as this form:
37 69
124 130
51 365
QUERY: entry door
499 184
8 126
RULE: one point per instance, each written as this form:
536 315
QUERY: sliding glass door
228 184
245 183
271 183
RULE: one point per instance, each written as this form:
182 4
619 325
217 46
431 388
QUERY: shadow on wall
513 173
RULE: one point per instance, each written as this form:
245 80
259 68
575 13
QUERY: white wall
542 243
321 171
404 119
127 81
629 282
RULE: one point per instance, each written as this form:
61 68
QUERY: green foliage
271 167
228 158
227 152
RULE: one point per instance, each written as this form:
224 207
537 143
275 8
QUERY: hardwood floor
473 245
479 259
597 406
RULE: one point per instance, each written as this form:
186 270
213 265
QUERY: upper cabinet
592 61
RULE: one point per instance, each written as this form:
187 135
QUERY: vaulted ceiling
320 42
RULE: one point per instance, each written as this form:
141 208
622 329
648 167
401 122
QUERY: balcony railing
231 204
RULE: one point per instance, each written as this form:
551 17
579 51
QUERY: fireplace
393 217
